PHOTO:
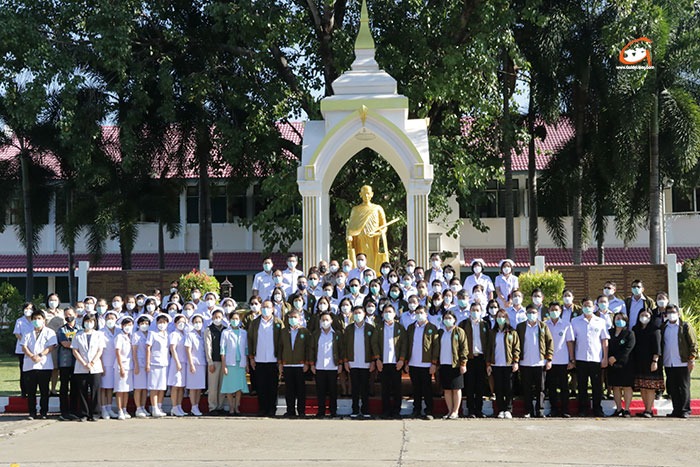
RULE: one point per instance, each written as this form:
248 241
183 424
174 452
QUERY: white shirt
264 283
516 316
234 345
195 341
359 348
417 349
483 280
615 305
506 285
461 314
88 351
123 343
562 332
356 300
671 353
389 355
138 340
160 354
446 348
500 351
477 348
289 278
589 336
324 356
22 327
108 355
36 344
407 318
635 307
359 274
265 347
566 313
531 346
177 338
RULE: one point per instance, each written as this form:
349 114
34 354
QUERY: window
15 214
193 204
434 242
218 204
227 203
237 201
495 205
685 200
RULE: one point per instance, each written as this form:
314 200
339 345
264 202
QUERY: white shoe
155 413
501 414
112 413
196 412
177 412
507 415
141 413
105 415
126 414
121 416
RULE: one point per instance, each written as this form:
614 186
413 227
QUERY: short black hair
38 313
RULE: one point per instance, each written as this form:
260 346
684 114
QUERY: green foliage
551 283
197 279
689 292
10 309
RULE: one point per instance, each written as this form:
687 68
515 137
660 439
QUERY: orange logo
636 55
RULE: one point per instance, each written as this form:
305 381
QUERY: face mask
293 322
180 326
90 307
537 300
644 319
603 306
196 295
127 329
412 306
437 288
298 304
277 297
554 314
325 324
359 317
437 303
144 327
436 264
389 317
101 309
422 291
346 268
449 276
70 319
323 306
361 263
448 299
419 276
672 317
267 267
235 323
421 317
532 317
479 297
140 302
368 279
587 310
493 311
393 279
501 320
620 323
394 294
449 322
53 304
328 293
636 290
172 311
38 323
291 264
506 270
568 299
255 307
89 325
211 302
662 303
333 268
301 286
313 282
150 308
517 300
608 291
162 326
410 269
110 323
407 283
345 308
217 321
116 305
188 312
198 326
277 280
28 312
130 306
354 289
80 311
340 280
374 290
323 269
228 309
463 303
371 310
477 269
267 312
474 314
385 271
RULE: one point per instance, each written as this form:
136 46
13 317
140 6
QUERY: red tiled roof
226 262
559 257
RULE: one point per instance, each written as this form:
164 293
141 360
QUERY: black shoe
73 417
540 415
260 414
672 415
618 413
648 414
320 415
415 415
626 413
92 419
565 415
481 415
44 416
684 415
582 413
31 416
63 418
289 415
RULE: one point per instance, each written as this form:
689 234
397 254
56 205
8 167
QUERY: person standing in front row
454 353
563 359
388 339
591 335
536 350
123 372
157 359
234 363
359 361
502 357
263 349
477 331
37 346
88 346
293 351
325 357
620 363
421 352
66 363
212 351
679 350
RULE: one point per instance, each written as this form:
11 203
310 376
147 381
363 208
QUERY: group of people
347 324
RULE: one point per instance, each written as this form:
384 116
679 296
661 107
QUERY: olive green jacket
349 343
337 347
546 341
512 347
460 346
484 334
431 346
687 341
300 352
253 335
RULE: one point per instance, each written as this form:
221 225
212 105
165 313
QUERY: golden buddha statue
366 226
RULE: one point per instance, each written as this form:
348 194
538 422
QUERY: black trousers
68 394
503 387
533 385
327 387
589 371
267 379
359 386
558 387
40 378
295 390
86 382
22 376
422 389
475 384
678 387
390 378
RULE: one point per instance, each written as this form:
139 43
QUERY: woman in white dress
123 373
108 359
157 364
177 371
197 362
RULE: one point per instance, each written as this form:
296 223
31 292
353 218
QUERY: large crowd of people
347 327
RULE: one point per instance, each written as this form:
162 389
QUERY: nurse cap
229 299
179 307
216 295
111 312
477 260
89 296
179 314
164 314
124 318
144 316
194 316
503 261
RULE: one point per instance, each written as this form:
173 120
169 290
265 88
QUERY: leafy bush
10 309
551 283
689 294
199 280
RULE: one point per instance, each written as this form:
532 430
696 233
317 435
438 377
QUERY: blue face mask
354 289
375 290
394 294
620 323
463 303
475 314
293 322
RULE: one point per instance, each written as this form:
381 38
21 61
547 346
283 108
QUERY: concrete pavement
259 442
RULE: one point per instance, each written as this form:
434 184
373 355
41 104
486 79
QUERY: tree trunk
655 199
532 177
125 246
580 99
205 231
72 285
28 226
507 160
161 246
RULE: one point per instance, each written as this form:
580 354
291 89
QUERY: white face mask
255 308
196 295
672 317
90 307
361 263
89 325
111 323
410 269
517 300
537 300
323 306
436 264
150 308
662 303
162 326
477 269
608 291
333 268
340 280
217 321
325 324
116 305
127 329
506 270
144 327
345 308
568 299
211 302
198 326
130 306
180 326
228 309
53 304
644 319
28 312
412 306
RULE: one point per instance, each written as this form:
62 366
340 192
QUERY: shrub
551 283
197 279
689 294
10 309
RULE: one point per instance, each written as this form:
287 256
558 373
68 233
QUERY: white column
81 272
183 221
539 264
51 284
312 229
672 275
204 267
417 221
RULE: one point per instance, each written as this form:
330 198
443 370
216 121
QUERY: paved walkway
250 441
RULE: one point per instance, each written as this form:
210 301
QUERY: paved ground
259 442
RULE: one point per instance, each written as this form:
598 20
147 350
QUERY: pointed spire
364 36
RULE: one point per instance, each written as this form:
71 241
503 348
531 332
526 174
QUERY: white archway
364 112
